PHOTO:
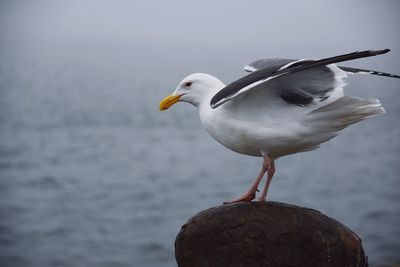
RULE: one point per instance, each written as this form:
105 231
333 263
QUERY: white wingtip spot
294 62
249 68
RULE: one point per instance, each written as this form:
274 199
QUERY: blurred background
92 174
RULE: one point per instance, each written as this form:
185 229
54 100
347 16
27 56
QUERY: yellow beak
167 102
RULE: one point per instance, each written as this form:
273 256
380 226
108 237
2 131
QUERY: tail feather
342 113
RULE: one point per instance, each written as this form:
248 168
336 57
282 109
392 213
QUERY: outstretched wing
264 63
269 73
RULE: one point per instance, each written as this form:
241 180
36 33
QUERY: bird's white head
194 89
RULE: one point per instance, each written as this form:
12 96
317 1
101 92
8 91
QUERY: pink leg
251 193
270 171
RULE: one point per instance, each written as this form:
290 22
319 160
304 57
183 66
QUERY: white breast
277 135
224 128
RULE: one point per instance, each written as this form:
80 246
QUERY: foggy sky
223 31
171 39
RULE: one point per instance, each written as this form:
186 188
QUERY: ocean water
92 174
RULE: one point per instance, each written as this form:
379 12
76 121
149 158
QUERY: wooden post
269 234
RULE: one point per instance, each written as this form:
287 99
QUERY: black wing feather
373 72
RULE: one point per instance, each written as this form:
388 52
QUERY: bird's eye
188 84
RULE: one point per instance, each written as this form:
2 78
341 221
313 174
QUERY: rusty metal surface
266 234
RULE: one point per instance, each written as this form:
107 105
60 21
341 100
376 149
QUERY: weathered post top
266 234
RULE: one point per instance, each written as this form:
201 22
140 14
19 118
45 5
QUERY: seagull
282 107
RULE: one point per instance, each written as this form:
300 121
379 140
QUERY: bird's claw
245 198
